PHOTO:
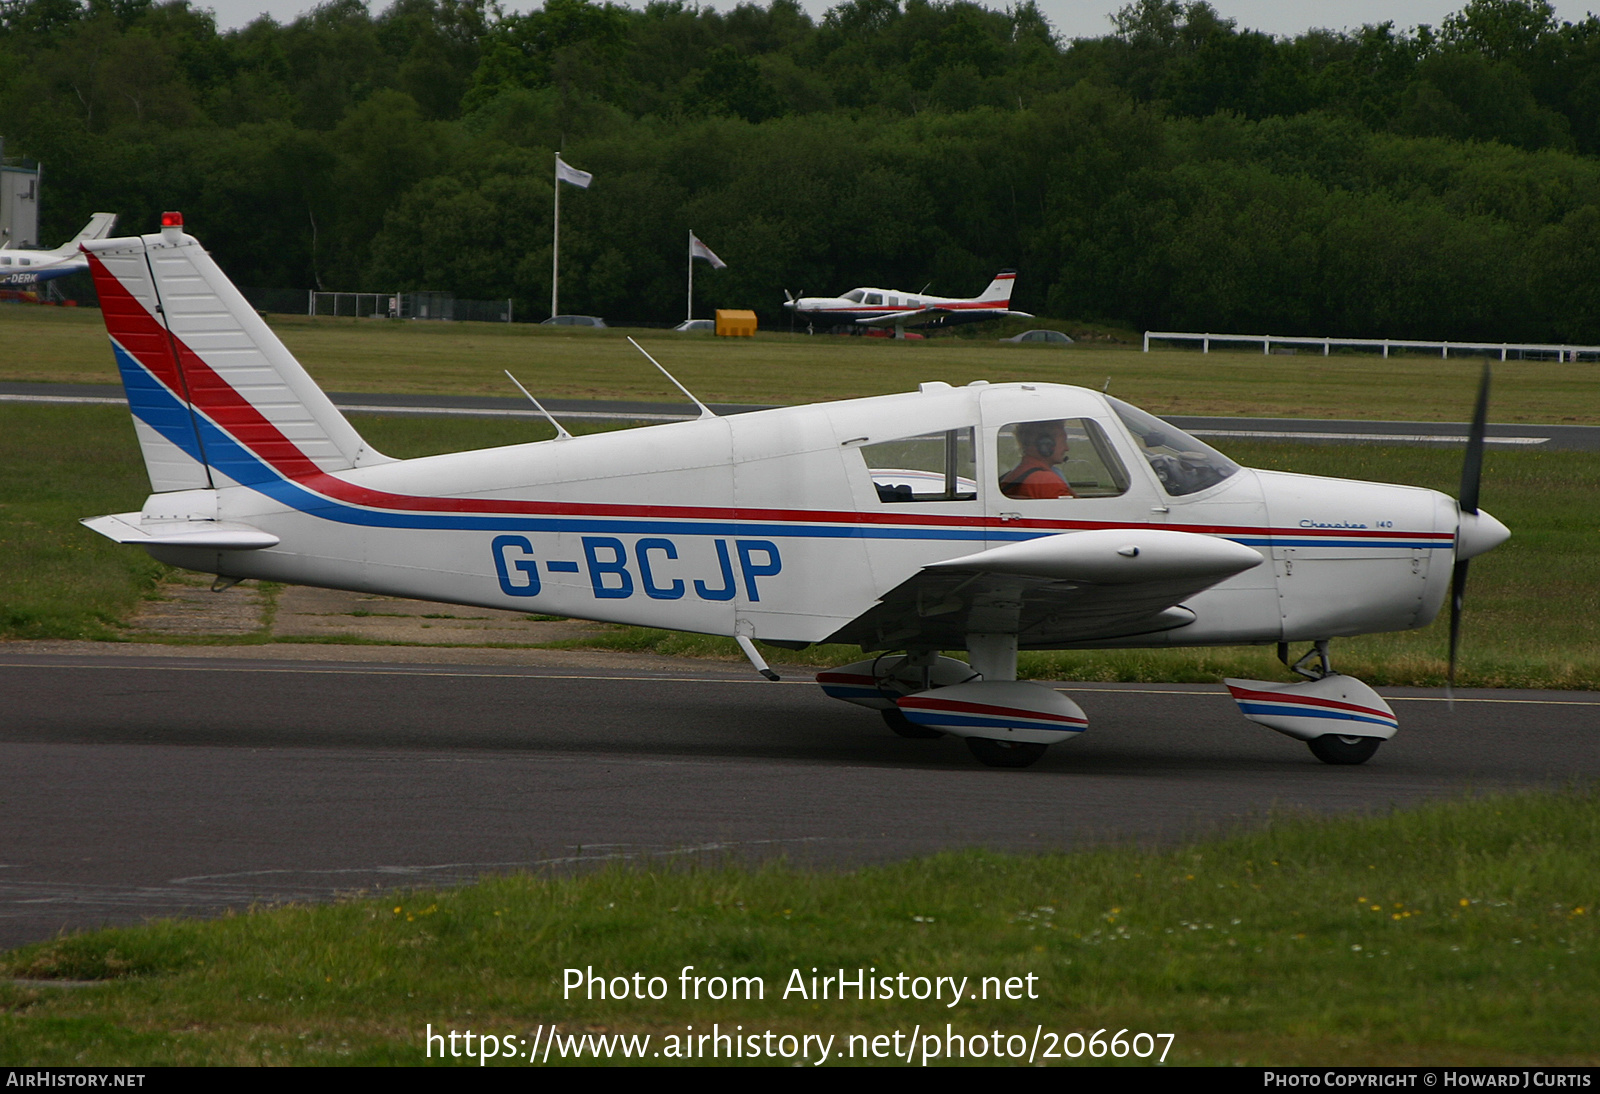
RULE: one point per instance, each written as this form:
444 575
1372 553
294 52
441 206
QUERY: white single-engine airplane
987 518
20 268
898 309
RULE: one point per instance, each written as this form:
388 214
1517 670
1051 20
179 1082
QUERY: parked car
574 321
1048 337
697 324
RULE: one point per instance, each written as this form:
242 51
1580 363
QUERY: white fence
1520 349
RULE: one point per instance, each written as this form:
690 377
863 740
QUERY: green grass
58 579
1531 605
1455 933
68 345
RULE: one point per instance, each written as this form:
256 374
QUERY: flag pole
555 243
691 275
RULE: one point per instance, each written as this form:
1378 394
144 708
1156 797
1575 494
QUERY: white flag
700 250
580 179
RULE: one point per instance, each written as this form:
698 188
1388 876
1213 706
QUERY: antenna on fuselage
561 433
705 411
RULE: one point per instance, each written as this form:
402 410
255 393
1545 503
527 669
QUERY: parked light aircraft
898 309
987 518
22 267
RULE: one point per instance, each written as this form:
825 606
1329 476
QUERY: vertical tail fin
99 227
217 399
998 294
999 291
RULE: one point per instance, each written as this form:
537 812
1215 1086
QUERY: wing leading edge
1054 590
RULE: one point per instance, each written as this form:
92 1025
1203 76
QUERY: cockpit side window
1183 464
928 467
1058 458
873 298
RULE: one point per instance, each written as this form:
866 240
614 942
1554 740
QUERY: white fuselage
769 524
25 269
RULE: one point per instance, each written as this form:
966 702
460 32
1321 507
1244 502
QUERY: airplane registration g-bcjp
987 518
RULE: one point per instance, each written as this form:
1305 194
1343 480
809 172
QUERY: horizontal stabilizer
215 535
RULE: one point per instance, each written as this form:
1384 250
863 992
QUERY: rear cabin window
1059 458
928 467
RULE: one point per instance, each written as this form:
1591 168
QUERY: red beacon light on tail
172 220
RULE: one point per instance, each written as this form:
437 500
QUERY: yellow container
735 324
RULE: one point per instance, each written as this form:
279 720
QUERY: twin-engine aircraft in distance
989 518
898 309
20 268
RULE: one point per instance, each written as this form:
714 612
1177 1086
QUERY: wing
1053 591
902 316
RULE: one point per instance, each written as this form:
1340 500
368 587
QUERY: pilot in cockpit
1036 475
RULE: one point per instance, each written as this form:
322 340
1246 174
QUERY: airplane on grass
30 268
898 309
989 518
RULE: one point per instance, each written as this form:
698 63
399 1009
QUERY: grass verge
58 579
1460 932
68 346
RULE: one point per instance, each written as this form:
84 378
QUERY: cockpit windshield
855 295
1183 464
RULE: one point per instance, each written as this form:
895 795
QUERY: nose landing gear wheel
896 719
1332 748
992 753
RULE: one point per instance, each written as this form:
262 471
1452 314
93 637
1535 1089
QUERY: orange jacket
1034 477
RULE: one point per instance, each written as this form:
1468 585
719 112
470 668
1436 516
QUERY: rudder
217 399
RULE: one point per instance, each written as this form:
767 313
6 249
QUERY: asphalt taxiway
140 783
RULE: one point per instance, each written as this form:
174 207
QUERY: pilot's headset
1041 439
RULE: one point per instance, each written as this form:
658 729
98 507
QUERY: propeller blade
1471 475
1472 466
1458 593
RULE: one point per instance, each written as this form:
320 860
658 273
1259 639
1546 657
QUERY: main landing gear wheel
1331 748
992 753
896 719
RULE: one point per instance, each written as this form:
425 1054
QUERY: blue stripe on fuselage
159 408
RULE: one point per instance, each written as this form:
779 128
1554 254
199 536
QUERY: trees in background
1177 172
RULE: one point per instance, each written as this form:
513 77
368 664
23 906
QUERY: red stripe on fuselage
138 332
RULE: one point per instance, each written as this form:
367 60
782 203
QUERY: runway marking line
515 675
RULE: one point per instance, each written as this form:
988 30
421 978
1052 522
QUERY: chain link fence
398 305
